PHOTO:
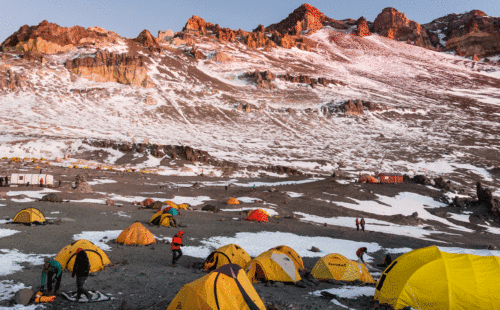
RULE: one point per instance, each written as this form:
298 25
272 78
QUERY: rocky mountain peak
147 40
50 38
306 17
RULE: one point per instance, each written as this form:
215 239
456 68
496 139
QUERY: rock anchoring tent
430 279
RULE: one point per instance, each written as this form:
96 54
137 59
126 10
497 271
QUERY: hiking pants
357 227
80 281
363 228
176 254
51 276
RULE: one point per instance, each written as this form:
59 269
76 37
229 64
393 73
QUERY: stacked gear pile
161 218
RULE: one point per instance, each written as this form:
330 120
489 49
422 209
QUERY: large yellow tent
136 234
163 219
97 258
339 268
29 216
272 265
294 256
219 290
228 254
430 279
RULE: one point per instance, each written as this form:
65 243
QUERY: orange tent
258 215
136 234
367 179
147 202
233 201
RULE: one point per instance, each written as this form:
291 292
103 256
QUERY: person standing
226 188
6 181
175 246
357 224
1 182
360 252
362 224
41 182
81 269
51 271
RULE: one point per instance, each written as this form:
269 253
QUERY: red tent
258 215
147 202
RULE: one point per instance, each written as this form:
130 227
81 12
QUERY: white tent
32 179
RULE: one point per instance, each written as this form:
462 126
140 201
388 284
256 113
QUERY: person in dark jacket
362 222
387 261
6 181
81 269
51 271
176 247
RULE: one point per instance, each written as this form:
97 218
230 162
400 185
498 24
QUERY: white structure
32 179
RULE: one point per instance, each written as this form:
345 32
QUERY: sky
129 17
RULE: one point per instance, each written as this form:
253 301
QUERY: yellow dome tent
232 201
161 218
272 265
228 254
136 234
171 204
292 254
430 279
29 216
339 268
97 258
219 290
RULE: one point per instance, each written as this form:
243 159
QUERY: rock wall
112 67
395 25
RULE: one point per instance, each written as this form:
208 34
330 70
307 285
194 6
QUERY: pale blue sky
129 17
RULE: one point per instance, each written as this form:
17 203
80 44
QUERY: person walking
175 246
52 271
362 224
357 224
6 181
81 269
360 252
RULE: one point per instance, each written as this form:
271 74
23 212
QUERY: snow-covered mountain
277 96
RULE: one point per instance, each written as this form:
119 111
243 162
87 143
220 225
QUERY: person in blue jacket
51 270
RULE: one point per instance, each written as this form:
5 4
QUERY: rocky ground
142 277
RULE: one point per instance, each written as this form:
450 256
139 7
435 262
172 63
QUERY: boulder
210 208
3 195
147 40
81 185
485 197
441 184
314 249
110 202
351 108
23 296
196 53
420 179
52 197
156 205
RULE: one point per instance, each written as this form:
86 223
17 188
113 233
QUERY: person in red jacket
357 224
175 246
